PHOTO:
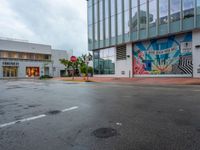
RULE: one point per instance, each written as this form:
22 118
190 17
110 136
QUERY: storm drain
53 112
105 132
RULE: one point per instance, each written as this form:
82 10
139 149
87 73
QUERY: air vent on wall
197 46
121 52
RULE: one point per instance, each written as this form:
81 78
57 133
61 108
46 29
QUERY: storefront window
188 8
175 9
32 71
25 56
152 13
104 61
9 71
163 12
143 14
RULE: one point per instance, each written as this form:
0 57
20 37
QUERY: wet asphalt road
145 117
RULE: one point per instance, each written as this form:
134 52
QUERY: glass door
10 72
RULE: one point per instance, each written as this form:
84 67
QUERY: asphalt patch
53 112
2 112
14 87
105 132
33 106
72 83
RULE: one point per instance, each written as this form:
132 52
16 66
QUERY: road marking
68 109
22 120
196 90
34 118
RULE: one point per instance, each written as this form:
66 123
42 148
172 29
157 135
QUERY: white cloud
60 23
10 25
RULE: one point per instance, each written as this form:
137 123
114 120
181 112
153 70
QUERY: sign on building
5 63
186 47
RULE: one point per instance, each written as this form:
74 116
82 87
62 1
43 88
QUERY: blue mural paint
172 55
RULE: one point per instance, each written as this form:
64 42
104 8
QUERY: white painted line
21 120
71 108
8 124
196 90
34 118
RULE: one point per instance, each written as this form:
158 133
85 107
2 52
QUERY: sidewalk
149 81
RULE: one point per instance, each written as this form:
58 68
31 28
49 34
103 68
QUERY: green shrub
45 77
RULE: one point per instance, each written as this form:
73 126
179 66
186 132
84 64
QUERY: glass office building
145 37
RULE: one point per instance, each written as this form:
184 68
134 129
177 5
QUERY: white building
20 59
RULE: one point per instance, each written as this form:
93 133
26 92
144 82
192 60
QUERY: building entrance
10 72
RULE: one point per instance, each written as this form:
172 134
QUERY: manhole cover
53 112
105 132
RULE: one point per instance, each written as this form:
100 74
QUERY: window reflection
188 9
90 15
198 7
101 19
89 3
113 27
126 22
175 9
119 16
96 20
119 24
163 11
90 35
152 13
106 19
96 31
126 16
134 21
104 61
113 11
143 14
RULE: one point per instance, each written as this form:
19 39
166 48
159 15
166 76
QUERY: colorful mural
172 55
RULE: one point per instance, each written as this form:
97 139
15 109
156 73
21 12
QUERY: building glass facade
104 61
126 21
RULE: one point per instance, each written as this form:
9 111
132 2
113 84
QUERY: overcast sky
60 23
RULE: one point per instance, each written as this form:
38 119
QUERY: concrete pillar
196 53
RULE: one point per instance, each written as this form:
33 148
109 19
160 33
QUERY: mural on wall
172 55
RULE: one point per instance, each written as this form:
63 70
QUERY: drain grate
53 112
105 132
